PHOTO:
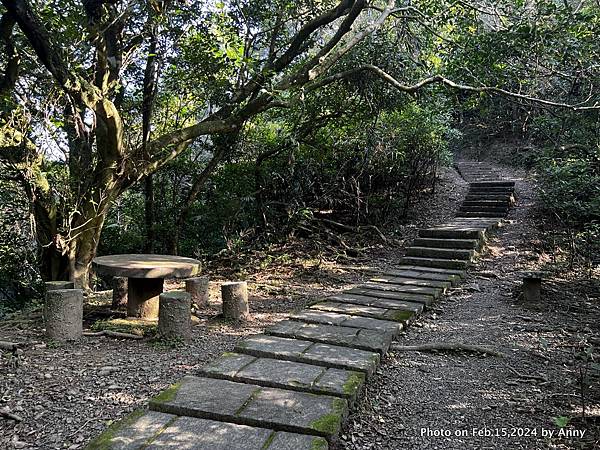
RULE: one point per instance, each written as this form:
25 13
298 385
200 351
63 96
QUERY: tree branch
411 89
50 56
7 82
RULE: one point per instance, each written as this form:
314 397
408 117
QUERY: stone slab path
292 387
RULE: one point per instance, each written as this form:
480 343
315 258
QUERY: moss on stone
402 316
330 423
319 444
138 327
229 355
353 382
168 394
269 440
375 359
104 441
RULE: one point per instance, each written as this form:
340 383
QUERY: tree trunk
54 262
83 247
149 214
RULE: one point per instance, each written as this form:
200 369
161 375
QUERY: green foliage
571 186
19 278
570 193
561 421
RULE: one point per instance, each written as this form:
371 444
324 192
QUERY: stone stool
532 285
54 285
174 315
63 314
198 288
235 300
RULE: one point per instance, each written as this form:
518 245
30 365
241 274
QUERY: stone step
404 281
433 291
492 203
490 190
477 196
254 405
479 223
468 244
373 341
480 214
387 294
452 233
331 318
395 315
277 373
442 253
493 184
378 300
308 352
152 430
434 262
485 208
459 272
414 272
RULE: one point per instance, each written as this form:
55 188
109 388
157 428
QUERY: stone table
146 274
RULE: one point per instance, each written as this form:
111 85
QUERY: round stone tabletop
146 266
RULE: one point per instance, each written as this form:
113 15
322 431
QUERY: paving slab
380 291
253 405
388 295
452 233
283 374
469 244
151 430
325 355
132 432
458 272
374 341
422 289
435 262
405 281
347 320
439 252
380 302
331 318
423 275
366 311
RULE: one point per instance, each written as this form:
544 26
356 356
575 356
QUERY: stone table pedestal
146 275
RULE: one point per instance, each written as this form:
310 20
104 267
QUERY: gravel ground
450 400
67 394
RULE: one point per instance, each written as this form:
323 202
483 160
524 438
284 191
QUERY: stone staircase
293 386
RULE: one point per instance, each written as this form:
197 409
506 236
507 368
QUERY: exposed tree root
114 334
4 412
446 347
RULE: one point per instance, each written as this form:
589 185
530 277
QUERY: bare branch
334 56
410 89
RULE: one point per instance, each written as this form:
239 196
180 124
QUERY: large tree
119 69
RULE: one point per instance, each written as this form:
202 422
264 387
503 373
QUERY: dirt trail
458 401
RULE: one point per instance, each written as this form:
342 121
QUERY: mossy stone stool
174 315
63 314
532 285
